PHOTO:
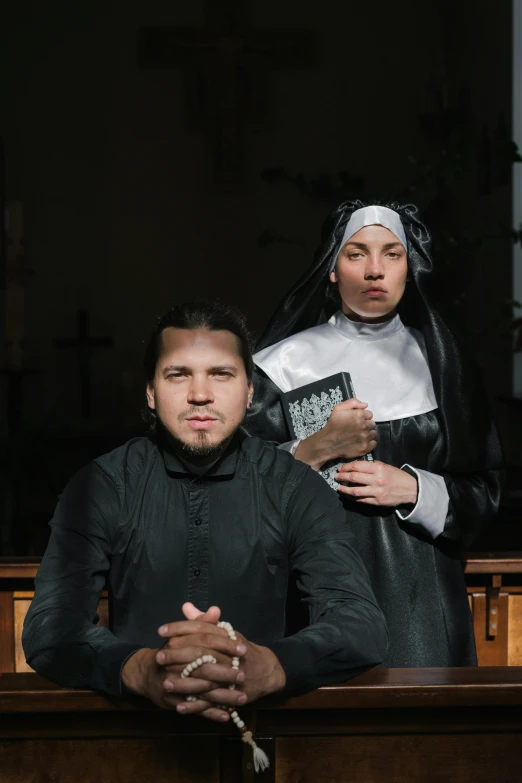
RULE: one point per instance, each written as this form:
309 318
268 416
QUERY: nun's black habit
418 580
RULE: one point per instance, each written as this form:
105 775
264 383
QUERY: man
200 513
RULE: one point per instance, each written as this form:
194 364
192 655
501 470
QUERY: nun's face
371 272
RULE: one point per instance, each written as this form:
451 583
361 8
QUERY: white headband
372 216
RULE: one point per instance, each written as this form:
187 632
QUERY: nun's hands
349 433
378 484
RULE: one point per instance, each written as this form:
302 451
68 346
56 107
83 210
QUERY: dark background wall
123 214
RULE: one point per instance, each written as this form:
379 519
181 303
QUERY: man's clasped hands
156 673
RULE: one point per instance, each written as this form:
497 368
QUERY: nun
364 307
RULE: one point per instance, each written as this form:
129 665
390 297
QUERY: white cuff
431 509
290 446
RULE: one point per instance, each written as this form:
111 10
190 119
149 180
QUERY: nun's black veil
471 438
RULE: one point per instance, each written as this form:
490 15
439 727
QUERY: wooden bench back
494 590
16 593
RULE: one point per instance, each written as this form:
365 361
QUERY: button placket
198 543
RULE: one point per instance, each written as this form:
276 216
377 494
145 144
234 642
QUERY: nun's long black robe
418 581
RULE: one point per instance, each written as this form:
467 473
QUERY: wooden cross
225 64
83 342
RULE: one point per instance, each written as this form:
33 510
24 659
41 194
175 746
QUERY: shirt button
197 572
197 522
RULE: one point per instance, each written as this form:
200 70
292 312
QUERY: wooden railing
385 726
494 588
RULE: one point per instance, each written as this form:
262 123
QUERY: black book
308 408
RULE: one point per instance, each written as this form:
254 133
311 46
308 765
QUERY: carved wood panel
160 759
480 758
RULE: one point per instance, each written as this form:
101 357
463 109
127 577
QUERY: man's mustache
215 414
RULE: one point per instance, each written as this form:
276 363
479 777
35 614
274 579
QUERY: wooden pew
494 590
16 593
386 726
495 594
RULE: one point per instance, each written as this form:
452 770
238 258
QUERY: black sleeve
61 640
265 419
474 500
347 632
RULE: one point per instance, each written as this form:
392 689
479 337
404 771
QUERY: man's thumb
191 612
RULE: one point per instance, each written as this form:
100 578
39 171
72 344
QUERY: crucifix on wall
83 342
226 65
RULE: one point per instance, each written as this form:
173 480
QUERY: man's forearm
72 652
332 650
133 672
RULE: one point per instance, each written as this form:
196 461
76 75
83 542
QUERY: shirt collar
225 466
358 330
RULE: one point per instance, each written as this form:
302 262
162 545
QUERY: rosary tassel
261 760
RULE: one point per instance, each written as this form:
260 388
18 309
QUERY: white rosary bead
189 668
261 761
228 628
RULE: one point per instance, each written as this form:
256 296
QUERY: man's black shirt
160 536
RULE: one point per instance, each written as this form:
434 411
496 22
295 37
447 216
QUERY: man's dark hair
214 316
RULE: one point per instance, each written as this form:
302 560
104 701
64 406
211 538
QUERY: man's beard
198 451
